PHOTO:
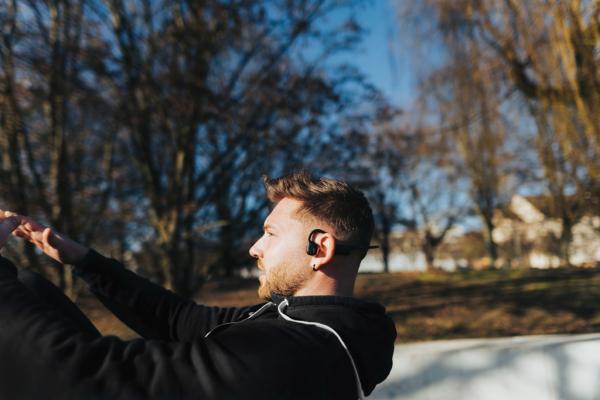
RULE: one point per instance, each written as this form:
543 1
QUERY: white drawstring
285 303
250 316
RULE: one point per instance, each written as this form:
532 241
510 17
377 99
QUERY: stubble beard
281 280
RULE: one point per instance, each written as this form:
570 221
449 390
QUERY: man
310 340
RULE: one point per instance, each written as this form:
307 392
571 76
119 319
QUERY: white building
529 228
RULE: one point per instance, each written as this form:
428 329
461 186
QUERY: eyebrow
269 226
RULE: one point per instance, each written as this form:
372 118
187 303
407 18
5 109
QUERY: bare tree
53 163
539 56
212 98
417 187
145 126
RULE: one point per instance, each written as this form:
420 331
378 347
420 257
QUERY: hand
52 243
7 225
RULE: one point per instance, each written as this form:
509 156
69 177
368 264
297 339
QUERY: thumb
47 237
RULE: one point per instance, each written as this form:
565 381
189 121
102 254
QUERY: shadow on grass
490 303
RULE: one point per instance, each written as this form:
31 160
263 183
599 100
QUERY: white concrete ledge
557 367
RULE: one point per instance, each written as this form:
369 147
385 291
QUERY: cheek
284 249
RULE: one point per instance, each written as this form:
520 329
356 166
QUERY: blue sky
381 56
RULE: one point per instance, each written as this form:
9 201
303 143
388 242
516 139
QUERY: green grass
429 306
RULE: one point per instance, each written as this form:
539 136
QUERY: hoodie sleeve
46 349
266 358
149 309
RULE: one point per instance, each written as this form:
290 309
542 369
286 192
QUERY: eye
268 233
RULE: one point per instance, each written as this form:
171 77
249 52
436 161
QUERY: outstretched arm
60 360
150 310
53 244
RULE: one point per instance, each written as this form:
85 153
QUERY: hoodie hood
364 327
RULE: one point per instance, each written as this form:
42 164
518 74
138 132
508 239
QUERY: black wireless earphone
312 247
340 248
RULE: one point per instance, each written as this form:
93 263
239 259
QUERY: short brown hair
335 202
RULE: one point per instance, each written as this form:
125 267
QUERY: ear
325 250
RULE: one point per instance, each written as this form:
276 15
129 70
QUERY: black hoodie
311 347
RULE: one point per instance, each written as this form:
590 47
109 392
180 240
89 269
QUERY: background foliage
143 127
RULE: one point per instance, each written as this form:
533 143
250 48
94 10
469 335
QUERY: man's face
280 252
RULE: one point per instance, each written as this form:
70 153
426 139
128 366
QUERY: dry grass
446 305
487 304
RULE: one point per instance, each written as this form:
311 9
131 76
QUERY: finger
47 237
36 235
32 224
29 227
20 233
27 235
35 239
25 228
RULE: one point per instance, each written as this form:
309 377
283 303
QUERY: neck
326 285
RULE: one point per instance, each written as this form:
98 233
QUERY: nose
255 250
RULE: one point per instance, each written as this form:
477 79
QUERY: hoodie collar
299 301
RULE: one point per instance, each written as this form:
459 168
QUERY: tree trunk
429 252
385 251
565 239
491 245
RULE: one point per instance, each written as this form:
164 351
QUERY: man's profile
310 339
